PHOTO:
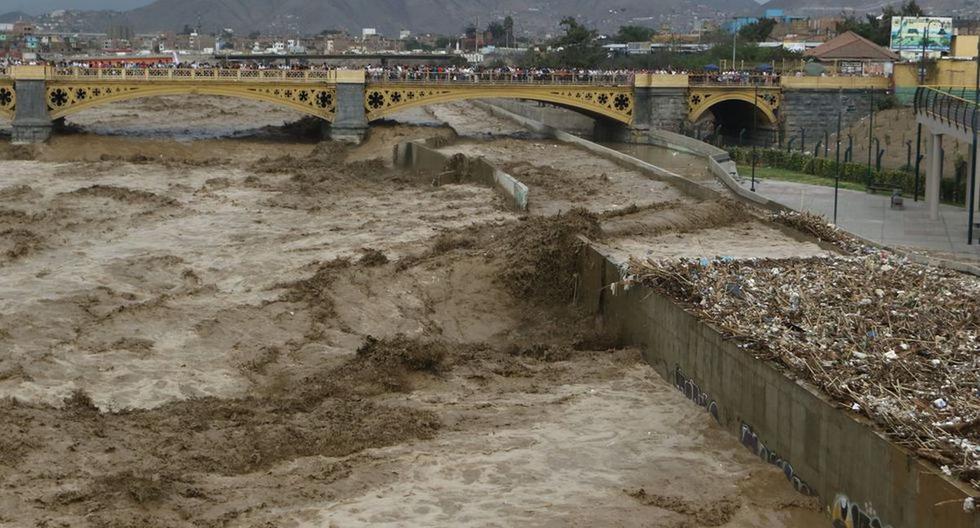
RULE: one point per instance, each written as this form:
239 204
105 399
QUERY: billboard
910 34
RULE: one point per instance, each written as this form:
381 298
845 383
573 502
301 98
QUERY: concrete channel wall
719 162
422 155
567 120
861 478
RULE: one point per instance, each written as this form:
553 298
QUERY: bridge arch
702 103
64 99
735 112
610 102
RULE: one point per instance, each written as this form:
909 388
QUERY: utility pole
922 61
871 133
734 42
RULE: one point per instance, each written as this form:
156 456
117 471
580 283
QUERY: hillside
13 16
440 16
961 8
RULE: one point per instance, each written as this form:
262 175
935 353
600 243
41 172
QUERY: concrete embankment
718 160
862 478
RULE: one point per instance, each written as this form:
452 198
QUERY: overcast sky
40 6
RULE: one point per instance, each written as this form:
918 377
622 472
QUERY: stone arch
737 116
66 98
707 103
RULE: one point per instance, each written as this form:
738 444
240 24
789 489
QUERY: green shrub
826 168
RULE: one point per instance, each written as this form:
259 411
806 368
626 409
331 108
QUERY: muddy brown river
199 331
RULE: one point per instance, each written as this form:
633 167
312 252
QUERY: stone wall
816 111
661 108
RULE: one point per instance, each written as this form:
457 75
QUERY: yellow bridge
349 99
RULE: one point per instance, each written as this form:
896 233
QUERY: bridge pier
350 122
660 101
31 123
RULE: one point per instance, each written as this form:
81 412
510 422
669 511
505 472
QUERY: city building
852 54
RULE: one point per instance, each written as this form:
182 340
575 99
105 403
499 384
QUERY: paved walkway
871 216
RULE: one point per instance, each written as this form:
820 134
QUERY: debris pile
895 341
818 227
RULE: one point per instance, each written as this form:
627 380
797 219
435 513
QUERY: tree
497 31
187 30
878 28
443 42
577 47
912 9
634 34
414 43
509 30
757 31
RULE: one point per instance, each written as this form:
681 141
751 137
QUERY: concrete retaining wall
687 186
418 155
718 161
552 116
861 478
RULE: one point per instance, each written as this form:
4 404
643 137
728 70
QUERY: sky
34 7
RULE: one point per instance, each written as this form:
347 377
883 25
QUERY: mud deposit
261 333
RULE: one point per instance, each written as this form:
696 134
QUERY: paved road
871 216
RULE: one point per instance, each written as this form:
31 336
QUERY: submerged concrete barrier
862 479
422 155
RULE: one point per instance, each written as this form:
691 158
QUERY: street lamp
755 126
840 104
971 203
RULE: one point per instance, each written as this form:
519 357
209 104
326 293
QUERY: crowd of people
468 73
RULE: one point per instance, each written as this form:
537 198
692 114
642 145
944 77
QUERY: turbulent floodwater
270 332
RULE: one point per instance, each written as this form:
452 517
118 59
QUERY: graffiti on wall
694 393
847 514
751 441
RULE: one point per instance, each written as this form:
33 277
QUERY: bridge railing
625 79
734 79
195 74
952 106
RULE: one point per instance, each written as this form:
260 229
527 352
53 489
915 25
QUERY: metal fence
953 106
195 74
734 79
570 78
